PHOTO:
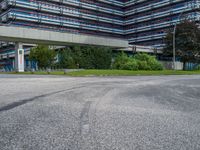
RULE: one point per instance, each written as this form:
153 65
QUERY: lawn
116 73
129 73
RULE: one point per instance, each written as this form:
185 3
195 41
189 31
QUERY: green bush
147 62
143 65
154 64
140 61
142 57
131 64
120 61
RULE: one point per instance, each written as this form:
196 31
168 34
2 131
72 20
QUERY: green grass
129 73
116 73
36 73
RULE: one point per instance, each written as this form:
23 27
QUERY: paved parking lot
99 113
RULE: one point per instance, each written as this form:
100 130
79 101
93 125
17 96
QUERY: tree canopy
43 55
88 57
187 42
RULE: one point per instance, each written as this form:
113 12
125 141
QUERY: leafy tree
66 59
187 42
77 55
88 57
43 55
102 57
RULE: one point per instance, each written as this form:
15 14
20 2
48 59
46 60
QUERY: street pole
174 48
174 42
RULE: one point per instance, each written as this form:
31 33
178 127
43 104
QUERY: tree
43 55
66 59
88 57
77 55
102 57
187 42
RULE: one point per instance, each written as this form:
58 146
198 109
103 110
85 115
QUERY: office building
141 22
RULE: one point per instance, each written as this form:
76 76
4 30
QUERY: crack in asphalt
24 101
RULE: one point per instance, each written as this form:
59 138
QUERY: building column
19 57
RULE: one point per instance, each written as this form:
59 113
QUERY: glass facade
75 16
147 21
93 17
142 22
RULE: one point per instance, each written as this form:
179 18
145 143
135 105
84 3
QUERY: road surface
99 113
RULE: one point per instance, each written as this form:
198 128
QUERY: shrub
154 64
131 64
142 65
140 61
120 60
147 62
142 57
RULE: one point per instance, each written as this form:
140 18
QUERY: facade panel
147 22
76 16
142 22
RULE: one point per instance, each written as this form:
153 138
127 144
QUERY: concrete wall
169 65
36 36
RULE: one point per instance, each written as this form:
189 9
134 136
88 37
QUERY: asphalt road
99 113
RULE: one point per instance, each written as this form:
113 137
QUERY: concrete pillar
19 57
